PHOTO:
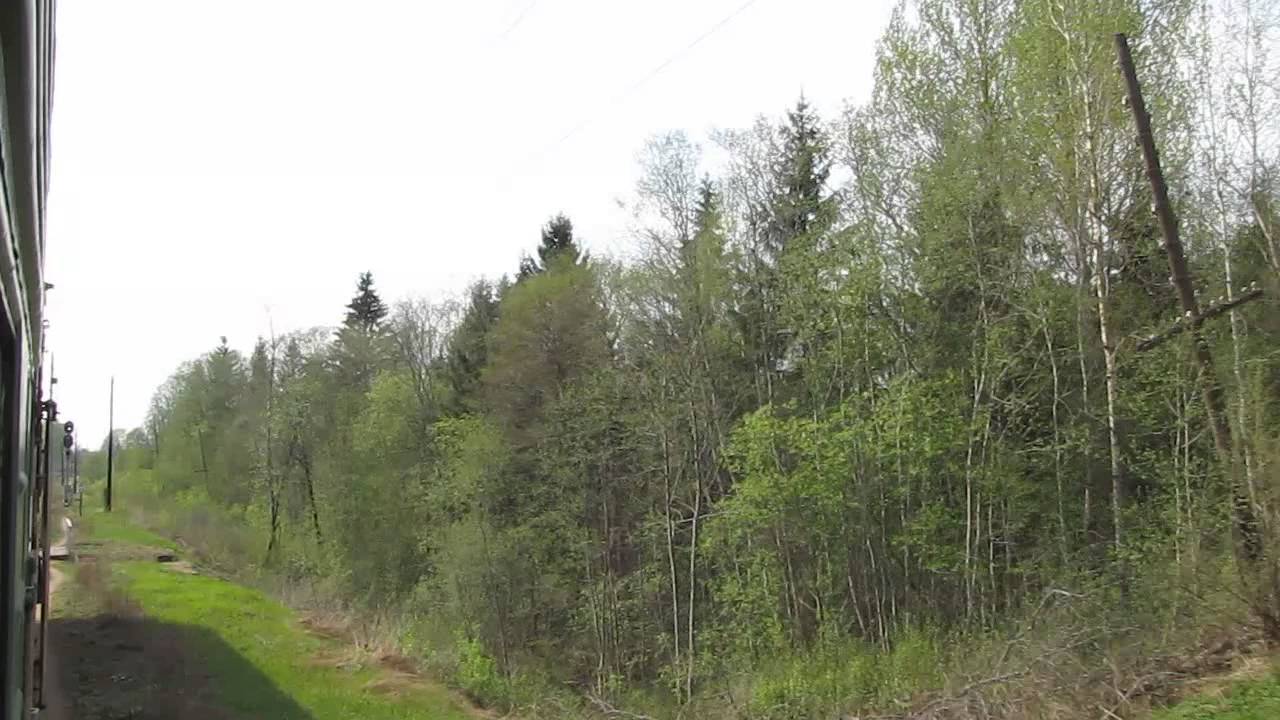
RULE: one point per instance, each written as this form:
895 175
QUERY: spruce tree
361 345
528 268
366 310
802 206
781 279
708 216
557 242
469 345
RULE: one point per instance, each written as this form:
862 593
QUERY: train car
26 52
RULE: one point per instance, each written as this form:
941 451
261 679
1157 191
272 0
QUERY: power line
656 71
519 19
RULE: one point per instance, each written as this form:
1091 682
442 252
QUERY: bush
847 672
477 674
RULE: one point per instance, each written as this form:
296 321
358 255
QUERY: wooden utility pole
111 438
1248 537
75 463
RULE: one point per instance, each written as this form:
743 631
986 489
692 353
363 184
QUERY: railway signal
69 489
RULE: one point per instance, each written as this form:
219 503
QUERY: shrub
477 674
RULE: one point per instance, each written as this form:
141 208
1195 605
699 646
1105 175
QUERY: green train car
26 53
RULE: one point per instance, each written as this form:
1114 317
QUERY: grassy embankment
276 646
1257 699
324 676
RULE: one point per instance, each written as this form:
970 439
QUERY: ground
1250 692
136 638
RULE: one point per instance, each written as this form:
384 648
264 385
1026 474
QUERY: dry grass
1243 669
93 583
326 625
397 663
1075 659
357 653
183 567
394 684
374 644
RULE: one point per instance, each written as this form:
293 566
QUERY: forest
894 404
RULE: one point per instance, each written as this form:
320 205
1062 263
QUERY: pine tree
802 206
361 346
557 242
707 214
702 256
366 310
259 365
468 345
528 268
781 280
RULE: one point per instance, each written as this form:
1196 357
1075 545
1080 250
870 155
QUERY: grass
114 527
262 662
1257 699
267 636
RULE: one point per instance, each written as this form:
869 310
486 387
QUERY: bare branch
610 711
1219 307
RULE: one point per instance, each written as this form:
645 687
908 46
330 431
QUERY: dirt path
58 703
114 662
207 648
56 575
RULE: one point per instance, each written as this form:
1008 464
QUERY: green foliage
267 641
478 675
878 374
116 528
838 678
468 346
558 244
366 310
1250 700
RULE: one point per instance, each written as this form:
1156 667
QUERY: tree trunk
693 557
1057 443
1113 431
671 550
1101 293
970 534
311 499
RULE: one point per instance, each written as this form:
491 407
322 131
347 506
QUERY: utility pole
111 437
63 470
1248 530
75 464
68 447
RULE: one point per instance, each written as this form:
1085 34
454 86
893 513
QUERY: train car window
13 527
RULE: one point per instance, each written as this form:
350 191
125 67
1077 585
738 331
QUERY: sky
228 167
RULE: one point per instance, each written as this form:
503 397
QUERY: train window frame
14 527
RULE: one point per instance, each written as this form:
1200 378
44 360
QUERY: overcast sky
224 166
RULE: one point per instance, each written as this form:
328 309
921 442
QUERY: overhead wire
656 71
519 19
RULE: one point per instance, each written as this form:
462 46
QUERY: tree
550 331
558 242
468 346
868 382
421 331
791 212
366 310
803 208
361 346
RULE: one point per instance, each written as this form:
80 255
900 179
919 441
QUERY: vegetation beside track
254 656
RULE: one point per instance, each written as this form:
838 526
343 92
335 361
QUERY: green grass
1249 700
262 661
114 527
